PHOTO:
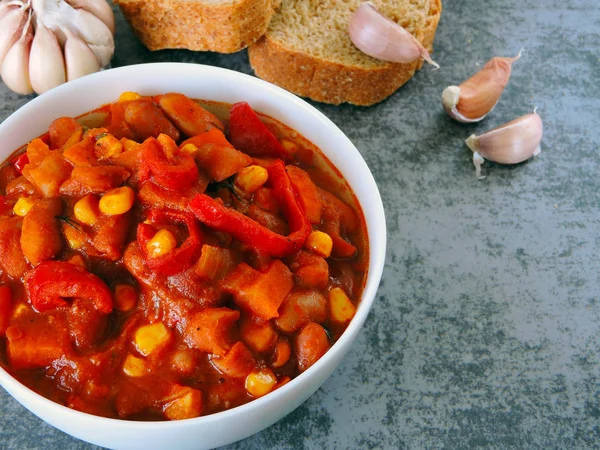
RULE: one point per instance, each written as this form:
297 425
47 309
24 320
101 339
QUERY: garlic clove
473 99
79 58
511 143
15 68
379 37
46 62
11 27
99 8
95 34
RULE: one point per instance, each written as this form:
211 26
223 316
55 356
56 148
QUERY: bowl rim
376 252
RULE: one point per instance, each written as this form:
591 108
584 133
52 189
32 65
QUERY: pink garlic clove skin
475 98
383 39
511 143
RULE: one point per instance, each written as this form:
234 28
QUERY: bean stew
164 258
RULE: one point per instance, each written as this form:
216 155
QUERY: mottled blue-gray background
485 332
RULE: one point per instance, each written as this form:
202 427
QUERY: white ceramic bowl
196 81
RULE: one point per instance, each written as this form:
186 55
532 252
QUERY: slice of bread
307 50
224 26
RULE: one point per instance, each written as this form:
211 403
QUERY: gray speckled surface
486 330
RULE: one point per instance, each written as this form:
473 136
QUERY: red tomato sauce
164 258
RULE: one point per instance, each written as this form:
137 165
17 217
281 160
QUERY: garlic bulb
379 37
511 143
68 39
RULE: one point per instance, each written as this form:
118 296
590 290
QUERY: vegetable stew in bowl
166 258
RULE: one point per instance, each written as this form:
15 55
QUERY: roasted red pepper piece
251 233
248 134
180 258
166 165
51 281
20 162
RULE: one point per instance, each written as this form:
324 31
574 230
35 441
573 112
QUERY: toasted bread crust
193 25
332 82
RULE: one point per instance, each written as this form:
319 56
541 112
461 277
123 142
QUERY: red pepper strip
20 161
177 171
180 258
248 134
48 283
251 233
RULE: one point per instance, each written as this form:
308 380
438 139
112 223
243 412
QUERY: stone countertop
486 329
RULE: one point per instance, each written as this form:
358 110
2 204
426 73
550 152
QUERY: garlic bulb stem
474 98
511 143
379 37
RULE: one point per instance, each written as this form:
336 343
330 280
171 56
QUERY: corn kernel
341 308
161 244
319 243
186 404
260 382
86 210
117 201
189 149
108 146
134 366
128 96
125 297
151 338
23 205
250 178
